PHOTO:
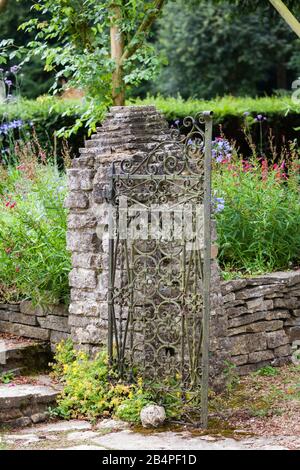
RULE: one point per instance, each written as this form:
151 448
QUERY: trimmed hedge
49 114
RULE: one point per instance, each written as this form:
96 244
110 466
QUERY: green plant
6 377
33 255
91 388
231 376
267 371
259 224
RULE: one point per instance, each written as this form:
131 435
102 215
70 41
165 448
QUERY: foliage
73 40
91 389
259 227
215 51
34 80
49 114
6 377
268 371
33 256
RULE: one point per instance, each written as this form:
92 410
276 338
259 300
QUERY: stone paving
113 435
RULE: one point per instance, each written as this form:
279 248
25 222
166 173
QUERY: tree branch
287 15
3 4
144 27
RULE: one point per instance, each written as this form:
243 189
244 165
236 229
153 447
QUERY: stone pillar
126 131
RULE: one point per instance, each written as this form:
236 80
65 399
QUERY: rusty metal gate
159 266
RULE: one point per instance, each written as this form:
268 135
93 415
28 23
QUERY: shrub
50 114
259 221
91 389
33 256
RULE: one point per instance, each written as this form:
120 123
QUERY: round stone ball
152 416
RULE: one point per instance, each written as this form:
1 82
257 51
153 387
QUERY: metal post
206 268
111 249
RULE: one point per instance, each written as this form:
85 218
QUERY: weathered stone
247 343
234 312
283 351
251 293
88 260
259 305
9 307
289 303
83 278
152 416
39 417
52 322
112 424
82 241
5 315
24 330
232 286
296 313
27 308
82 220
80 179
86 308
294 333
91 334
16 317
240 360
260 356
77 200
257 327
57 337
276 339
229 297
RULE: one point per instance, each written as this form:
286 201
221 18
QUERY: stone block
276 339
259 305
240 360
229 297
83 278
16 317
283 351
27 308
87 308
24 330
14 307
294 333
77 200
82 241
52 322
88 260
232 286
254 292
80 179
286 302
77 221
247 343
260 356
258 327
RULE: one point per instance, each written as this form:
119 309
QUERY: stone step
23 405
22 356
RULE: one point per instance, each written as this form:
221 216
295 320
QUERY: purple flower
8 83
218 204
15 68
221 149
177 122
246 113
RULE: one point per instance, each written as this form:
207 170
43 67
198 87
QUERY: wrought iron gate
159 265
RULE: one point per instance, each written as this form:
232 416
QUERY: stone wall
263 319
45 324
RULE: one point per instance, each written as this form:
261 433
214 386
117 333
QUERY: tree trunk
117 48
3 4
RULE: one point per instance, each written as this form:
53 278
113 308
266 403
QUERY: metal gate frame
148 168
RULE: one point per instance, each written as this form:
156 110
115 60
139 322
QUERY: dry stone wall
263 319
45 324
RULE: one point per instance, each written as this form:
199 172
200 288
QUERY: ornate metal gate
159 265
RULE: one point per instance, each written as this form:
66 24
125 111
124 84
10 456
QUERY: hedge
50 114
